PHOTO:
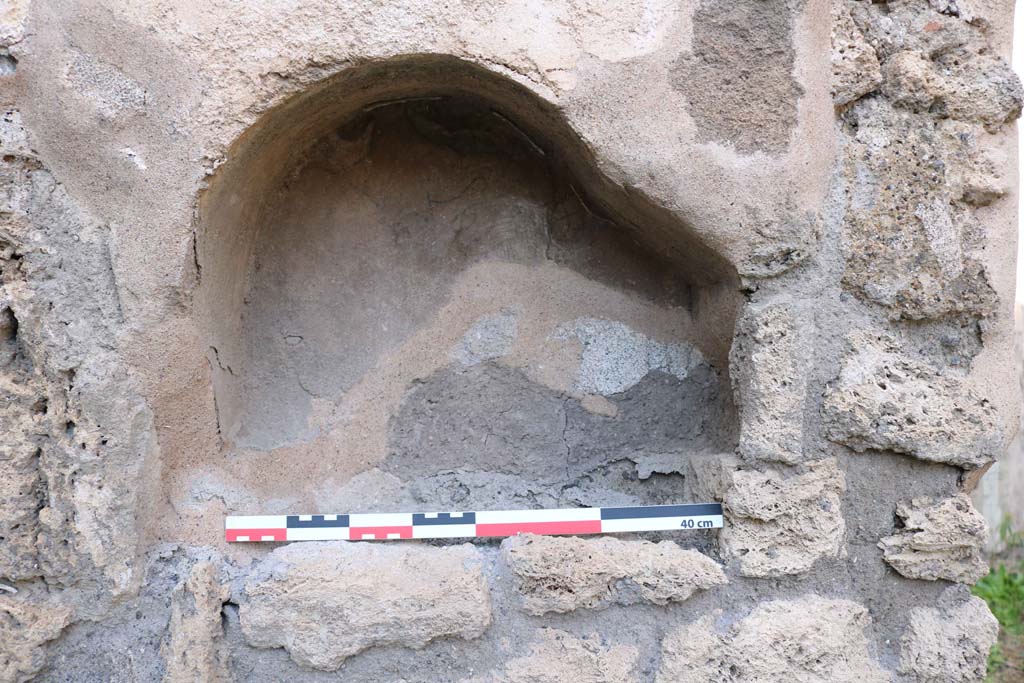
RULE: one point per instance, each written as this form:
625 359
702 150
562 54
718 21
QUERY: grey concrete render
318 257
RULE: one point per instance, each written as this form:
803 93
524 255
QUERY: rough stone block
807 640
559 657
949 643
977 174
777 525
886 400
26 626
913 26
12 21
979 87
939 540
911 80
324 602
907 246
21 486
709 475
769 367
195 649
855 67
561 574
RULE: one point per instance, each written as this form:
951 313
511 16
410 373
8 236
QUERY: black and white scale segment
398 525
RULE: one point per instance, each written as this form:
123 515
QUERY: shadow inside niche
366 241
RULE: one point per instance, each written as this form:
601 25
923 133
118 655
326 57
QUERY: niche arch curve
317 267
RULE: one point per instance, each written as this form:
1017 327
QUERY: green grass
1003 590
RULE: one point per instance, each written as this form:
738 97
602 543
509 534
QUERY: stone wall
327 257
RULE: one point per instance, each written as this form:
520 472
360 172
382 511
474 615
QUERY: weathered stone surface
909 243
808 640
709 475
948 55
911 80
195 651
886 400
855 67
907 246
25 400
12 21
913 26
979 87
559 657
21 486
938 540
960 78
949 643
324 602
781 525
80 433
769 368
25 627
977 174
561 574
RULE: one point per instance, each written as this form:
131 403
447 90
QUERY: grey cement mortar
485 437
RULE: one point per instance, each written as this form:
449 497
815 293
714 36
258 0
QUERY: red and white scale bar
385 526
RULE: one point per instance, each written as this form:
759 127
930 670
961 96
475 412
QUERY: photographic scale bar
399 525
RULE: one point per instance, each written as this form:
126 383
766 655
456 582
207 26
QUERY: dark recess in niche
581 235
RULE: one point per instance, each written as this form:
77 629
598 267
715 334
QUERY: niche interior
417 287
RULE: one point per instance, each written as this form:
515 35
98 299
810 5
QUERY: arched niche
415 268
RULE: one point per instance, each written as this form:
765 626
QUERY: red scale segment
548 528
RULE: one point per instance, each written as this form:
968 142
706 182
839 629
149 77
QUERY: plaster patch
615 357
738 80
950 642
490 337
110 90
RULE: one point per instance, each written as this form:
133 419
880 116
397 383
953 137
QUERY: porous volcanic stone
324 602
939 540
807 640
561 574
